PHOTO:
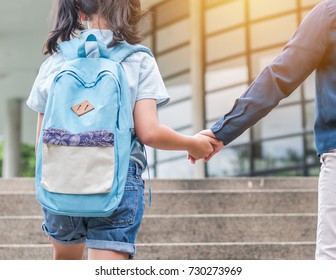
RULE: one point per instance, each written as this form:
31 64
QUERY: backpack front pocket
77 163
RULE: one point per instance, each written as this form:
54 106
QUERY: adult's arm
300 57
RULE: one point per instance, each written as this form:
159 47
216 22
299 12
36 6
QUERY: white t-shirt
142 73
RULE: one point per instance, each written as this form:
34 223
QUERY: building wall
240 38
24 26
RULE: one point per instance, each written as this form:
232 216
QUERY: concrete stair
232 218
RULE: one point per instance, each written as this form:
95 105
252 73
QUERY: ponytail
66 23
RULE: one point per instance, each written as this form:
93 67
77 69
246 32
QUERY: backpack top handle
101 47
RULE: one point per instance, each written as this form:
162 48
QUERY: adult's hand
217 145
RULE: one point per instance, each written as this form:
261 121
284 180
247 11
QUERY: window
232 12
225 45
263 8
241 38
272 32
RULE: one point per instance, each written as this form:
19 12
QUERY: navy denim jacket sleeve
300 57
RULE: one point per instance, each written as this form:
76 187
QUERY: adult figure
313 47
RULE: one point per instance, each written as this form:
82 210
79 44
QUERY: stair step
17 203
228 228
228 219
237 183
233 202
17 184
228 251
187 228
185 251
233 183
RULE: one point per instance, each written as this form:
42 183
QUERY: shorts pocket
126 212
56 224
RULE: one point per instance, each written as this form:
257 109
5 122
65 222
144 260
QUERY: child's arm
153 134
38 129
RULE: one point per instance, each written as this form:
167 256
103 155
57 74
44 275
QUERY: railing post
197 66
12 139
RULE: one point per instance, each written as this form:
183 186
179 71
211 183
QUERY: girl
111 21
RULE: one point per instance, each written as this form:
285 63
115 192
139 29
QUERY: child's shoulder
52 64
144 58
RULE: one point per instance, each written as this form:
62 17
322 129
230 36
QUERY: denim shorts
116 232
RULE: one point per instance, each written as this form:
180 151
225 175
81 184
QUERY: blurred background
208 52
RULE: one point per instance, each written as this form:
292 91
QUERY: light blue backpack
84 149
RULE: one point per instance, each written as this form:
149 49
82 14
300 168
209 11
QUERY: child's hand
217 145
201 148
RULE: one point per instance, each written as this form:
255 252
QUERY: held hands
217 146
209 145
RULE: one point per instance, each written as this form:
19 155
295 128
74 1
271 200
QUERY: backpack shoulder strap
123 50
118 53
69 49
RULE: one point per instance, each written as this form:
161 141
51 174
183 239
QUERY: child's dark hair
121 16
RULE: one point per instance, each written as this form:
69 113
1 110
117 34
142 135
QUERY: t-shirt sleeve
151 85
37 99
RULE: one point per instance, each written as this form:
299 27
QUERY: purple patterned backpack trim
98 138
